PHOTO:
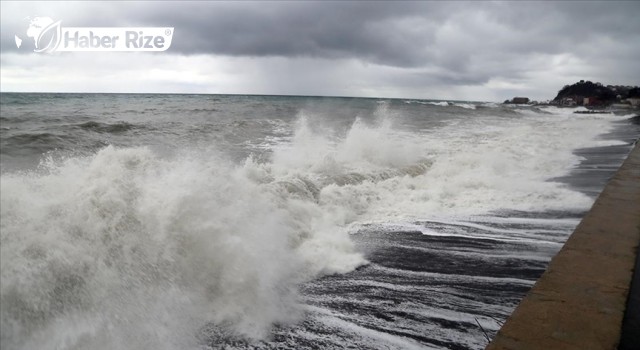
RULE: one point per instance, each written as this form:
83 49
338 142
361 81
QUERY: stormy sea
135 221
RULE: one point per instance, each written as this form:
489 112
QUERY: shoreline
600 163
580 300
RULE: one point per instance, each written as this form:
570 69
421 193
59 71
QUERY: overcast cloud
442 50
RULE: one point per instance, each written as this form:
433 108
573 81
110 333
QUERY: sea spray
130 246
125 238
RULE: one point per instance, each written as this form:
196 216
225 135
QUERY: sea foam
127 248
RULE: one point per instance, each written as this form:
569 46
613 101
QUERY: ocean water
264 222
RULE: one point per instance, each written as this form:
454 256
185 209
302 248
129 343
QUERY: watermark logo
43 34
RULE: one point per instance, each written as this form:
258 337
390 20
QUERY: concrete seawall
579 302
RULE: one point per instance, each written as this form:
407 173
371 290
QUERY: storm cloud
461 50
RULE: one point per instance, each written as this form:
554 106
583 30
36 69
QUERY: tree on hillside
583 89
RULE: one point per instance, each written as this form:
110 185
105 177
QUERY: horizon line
239 94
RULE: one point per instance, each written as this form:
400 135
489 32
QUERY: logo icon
46 35
43 32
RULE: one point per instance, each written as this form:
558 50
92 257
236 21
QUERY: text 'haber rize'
133 40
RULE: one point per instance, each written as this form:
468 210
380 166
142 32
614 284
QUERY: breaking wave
130 249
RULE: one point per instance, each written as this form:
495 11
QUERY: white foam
143 250
465 105
367 337
168 244
452 277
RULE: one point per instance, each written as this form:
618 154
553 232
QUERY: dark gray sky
442 50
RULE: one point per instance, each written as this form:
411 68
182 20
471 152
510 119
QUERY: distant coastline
593 96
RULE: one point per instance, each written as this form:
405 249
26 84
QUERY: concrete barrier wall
579 302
